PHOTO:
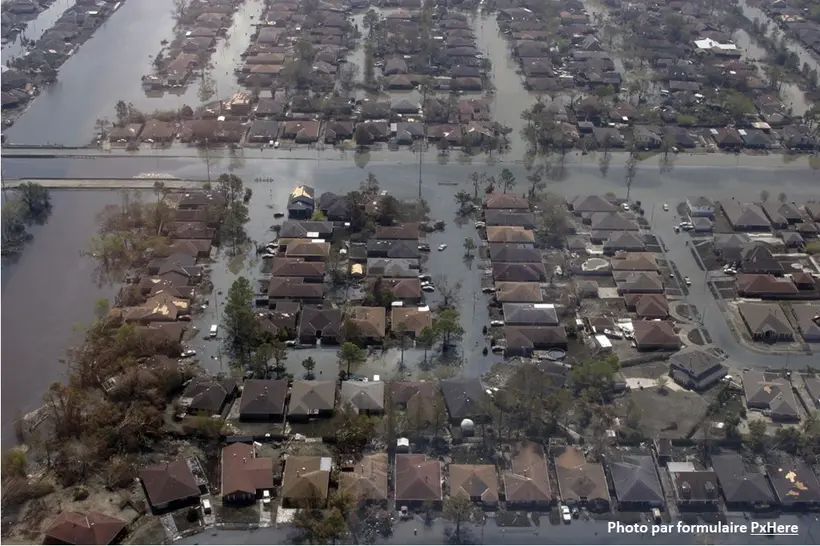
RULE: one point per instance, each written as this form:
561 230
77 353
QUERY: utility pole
208 159
421 157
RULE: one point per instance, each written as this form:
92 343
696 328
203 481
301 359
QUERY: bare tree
449 291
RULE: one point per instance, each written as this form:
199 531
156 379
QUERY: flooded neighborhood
410 272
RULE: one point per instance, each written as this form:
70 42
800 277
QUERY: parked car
625 206
687 281
428 287
488 290
442 246
188 353
566 515
206 506
424 248
266 498
496 323
666 206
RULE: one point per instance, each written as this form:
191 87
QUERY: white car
496 323
480 224
424 248
665 206
442 246
188 353
425 278
488 290
687 281
266 498
566 514
276 145
625 207
428 287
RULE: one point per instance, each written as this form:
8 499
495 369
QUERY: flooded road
803 54
34 29
46 295
108 68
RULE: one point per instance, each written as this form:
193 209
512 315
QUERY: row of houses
801 218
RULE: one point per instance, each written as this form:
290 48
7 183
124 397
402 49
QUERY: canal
109 67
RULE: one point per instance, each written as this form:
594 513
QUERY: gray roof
636 480
762 318
530 314
613 221
592 203
514 253
745 216
805 314
508 218
464 398
738 484
625 240
795 482
695 362
363 396
770 391
392 267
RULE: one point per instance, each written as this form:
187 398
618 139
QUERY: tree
507 180
737 105
279 354
553 222
15 464
35 198
478 180
239 320
535 179
464 200
458 509
261 358
362 136
179 9
782 197
631 171
661 382
232 227
207 87
121 111
347 76
354 431
351 355
370 186
309 365
230 187
371 18
469 246
764 196
427 338
757 435
448 328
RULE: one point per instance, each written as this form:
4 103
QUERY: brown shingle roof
634 261
371 321
403 231
417 479
308 397
165 483
243 472
295 288
505 201
655 333
296 267
368 481
529 479
263 397
474 480
519 292
648 305
579 479
306 477
403 288
93 528
509 234
414 319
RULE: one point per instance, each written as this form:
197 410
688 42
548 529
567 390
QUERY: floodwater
803 54
108 68
46 295
35 28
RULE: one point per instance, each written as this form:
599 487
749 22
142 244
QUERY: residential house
263 400
693 489
745 217
514 253
782 215
766 322
421 403
506 272
169 486
208 396
624 241
807 321
371 322
589 204
304 478
634 261
743 489
580 482
310 399
91 528
638 282
647 306
530 314
367 481
301 203
518 292
764 286
757 258
729 246
338 131
320 324
769 391
335 207
696 369
612 221
636 483
700 207
309 272
505 201
478 482
418 481
795 485
405 290
393 249
655 335
465 399
244 475
392 267
412 320
523 340
314 250
812 384
496 217
510 234
406 232
366 397
527 483
295 289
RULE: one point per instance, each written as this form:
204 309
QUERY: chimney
686 490
711 490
